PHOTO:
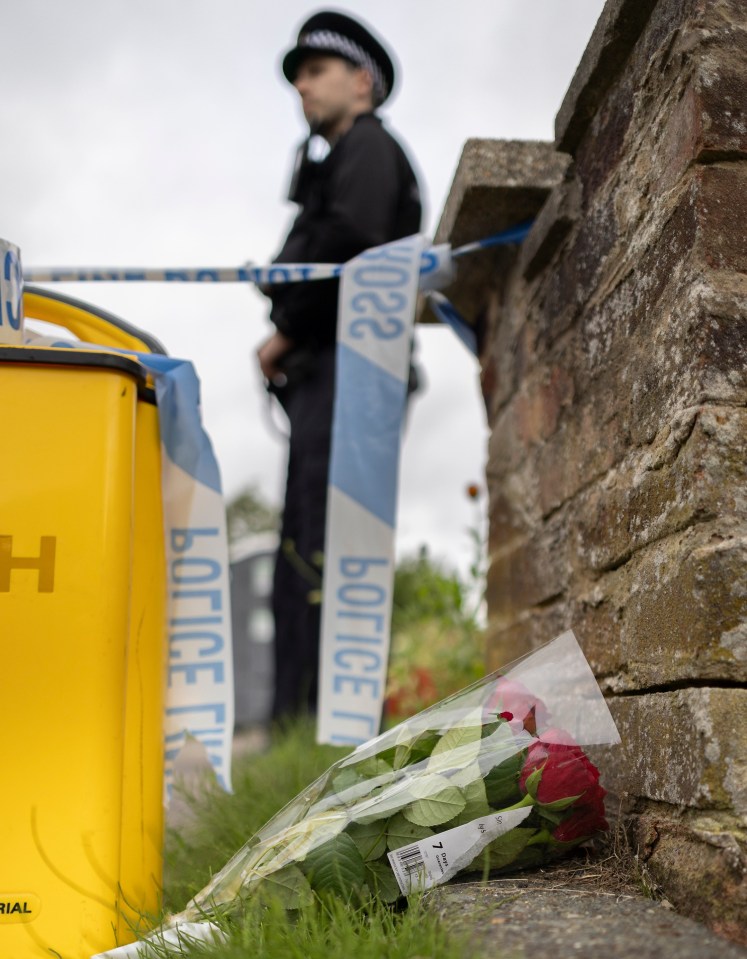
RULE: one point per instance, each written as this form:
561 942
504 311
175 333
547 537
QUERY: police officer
361 194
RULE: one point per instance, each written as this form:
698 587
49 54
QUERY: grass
436 649
263 783
333 930
330 929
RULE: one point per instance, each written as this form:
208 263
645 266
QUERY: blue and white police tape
199 696
447 313
376 314
514 234
11 294
436 268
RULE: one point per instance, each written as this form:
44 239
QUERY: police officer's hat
337 34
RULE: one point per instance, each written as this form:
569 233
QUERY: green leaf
370 838
476 804
345 778
504 850
288 886
373 768
460 745
532 782
415 750
336 867
547 815
400 832
559 804
377 807
436 802
382 882
502 782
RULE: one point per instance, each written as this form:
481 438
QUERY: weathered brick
694 471
692 359
700 860
639 383
589 441
676 613
529 573
687 747
722 209
596 616
706 121
616 33
513 511
508 639
510 353
531 417
576 272
686 618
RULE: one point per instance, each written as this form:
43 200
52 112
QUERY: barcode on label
408 865
410 858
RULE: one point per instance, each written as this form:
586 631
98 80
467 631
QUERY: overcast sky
160 133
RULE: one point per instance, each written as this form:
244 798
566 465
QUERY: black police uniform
362 194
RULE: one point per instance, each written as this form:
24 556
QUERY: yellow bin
82 595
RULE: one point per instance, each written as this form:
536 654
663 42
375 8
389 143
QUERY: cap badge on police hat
337 34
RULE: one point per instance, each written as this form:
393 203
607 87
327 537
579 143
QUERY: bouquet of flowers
492 778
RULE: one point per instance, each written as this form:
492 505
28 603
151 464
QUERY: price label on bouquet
440 857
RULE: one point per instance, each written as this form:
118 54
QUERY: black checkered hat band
345 47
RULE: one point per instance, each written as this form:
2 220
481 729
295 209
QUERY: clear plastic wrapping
493 778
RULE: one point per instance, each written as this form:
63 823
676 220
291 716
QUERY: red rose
586 817
565 769
511 700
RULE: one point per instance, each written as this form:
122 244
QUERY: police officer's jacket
362 194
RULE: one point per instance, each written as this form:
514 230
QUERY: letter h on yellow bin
82 608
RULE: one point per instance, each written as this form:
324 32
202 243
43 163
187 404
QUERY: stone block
686 617
527 421
675 614
687 748
705 121
616 33
694 471
691 358
553 222
513 512
510 350
497 184
530 572
509 638
722 209
677 96
691 245
560 294
699 862
630 380
584 449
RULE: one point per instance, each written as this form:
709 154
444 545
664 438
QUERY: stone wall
614 368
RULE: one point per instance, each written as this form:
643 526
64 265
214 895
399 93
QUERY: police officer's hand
271 353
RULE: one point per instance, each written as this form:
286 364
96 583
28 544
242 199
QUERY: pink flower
511 700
